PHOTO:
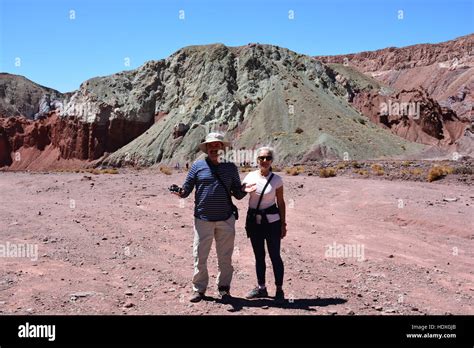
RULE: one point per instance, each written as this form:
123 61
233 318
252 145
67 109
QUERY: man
213 216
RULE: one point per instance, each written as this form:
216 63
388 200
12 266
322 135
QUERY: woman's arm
282 208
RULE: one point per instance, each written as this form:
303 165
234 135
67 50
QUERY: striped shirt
210 199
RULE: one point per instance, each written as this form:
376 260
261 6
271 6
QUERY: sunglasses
265 158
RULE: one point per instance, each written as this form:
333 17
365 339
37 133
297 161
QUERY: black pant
272 234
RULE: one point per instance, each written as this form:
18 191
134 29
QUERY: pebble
449 199
129 304
82 294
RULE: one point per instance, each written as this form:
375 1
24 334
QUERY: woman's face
264 159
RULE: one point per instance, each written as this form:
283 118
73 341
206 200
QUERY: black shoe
257 293
280 296
224 293
197 296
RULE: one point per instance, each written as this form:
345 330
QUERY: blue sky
60 52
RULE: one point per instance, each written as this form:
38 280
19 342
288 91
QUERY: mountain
22 97
257 94
440 77
308 108
445 70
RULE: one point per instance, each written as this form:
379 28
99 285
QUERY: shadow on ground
237 303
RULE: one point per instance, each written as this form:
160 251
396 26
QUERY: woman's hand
249 187
283 230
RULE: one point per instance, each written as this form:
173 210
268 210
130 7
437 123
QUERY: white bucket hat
212 137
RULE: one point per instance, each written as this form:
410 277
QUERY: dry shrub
377 169
294 170
291 170
438 172
362 172
327 172
276 169
109 171
166 170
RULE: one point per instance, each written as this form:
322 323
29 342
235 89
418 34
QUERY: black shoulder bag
251 220
235 210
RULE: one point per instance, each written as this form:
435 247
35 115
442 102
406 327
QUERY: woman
270 222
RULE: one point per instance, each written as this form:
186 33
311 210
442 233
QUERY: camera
175 188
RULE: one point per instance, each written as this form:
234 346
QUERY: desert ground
122 244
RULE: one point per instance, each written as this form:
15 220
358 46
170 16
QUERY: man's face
213 149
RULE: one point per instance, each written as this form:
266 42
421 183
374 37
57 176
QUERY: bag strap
263 191
220 181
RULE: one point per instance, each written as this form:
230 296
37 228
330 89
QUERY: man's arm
189 183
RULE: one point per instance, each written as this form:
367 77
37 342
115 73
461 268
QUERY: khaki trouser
204 233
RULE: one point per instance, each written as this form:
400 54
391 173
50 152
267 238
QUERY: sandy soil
124 245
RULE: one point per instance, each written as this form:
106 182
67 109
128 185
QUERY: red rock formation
445 70
412 115
71 138
393 58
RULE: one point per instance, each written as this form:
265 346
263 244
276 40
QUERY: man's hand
249 187
176 190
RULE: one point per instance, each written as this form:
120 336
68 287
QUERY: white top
269 197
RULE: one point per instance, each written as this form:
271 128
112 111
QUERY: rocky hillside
22 97
257 94
445 70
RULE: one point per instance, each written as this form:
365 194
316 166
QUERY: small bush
166 170
438 172
341 165
276 169
356 164
362 172
377 169
406 163
291 170
327 172
417 171
294 170
109 171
